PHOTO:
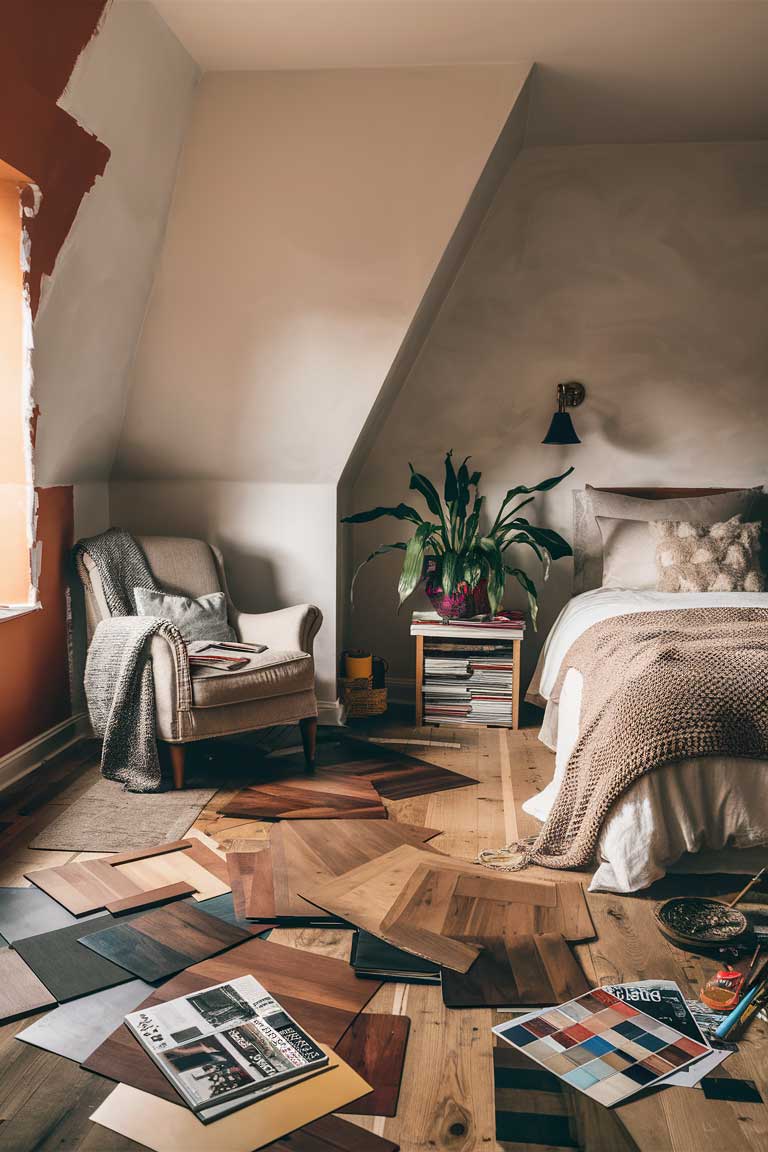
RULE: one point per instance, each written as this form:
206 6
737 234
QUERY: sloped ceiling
608 70
310 214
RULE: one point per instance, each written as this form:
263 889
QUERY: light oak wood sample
21 993
311 852
166 1127
196 864
84 887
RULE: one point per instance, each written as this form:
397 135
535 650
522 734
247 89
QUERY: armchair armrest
291 629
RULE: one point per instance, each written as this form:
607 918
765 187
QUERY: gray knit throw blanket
658 687
119 686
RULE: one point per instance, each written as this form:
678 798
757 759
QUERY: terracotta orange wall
34 673
40 43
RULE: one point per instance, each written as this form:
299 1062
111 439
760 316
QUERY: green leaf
451 489
474 518
545 538
522 490
413 565
474 479
463 489
427 489
401 512
380 551
524 579
495 562
450 573
542 553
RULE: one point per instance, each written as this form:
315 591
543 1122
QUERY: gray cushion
629 553
204 618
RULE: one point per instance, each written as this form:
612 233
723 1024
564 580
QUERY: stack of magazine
227 1046
463 686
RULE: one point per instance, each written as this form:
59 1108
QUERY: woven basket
361 698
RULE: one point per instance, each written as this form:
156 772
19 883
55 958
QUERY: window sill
11 611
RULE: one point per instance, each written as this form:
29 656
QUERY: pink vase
460 604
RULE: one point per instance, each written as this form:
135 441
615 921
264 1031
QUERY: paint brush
745 889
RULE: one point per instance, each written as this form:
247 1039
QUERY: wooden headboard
667 493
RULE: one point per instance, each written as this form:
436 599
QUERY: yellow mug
358 665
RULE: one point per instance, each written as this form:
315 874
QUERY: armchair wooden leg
178 755
309 740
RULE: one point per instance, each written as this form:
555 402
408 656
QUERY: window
16 490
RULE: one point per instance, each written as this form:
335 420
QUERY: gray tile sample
29 911
224 907
66 967
76 1029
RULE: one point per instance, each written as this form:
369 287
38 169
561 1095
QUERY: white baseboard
332 713
31 755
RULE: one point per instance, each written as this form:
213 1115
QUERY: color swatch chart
601 1045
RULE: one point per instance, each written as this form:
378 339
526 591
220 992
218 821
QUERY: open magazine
227 1045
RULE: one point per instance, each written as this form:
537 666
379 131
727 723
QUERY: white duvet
708 814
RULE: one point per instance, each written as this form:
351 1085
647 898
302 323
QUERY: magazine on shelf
226 1045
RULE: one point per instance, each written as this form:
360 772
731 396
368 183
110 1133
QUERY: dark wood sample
224 907
148 899
308 852
159 943
394 775
513 970
21 992
374 1045
332 1134
68 969
320 797
373 958
320 992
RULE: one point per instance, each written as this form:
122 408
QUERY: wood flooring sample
516 970
21 993
161 942
166 1127
85 886
310 852
374 1046
308 798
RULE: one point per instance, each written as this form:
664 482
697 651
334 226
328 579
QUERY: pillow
591 503
629 553
202 619
707 557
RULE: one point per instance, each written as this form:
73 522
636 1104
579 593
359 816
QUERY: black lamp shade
561 430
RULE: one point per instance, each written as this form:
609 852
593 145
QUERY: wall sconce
561 430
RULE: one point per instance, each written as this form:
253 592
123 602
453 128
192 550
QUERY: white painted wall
639 270
311 213
132 87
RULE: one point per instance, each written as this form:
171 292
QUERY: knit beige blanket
657 687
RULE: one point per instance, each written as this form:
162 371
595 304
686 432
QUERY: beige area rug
107 819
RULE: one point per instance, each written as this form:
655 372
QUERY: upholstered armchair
278 687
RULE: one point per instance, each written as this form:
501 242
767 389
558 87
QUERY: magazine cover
229 1041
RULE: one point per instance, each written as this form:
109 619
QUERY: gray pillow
202 619
629 553
591 503
707 557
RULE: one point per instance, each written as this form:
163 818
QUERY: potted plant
464 566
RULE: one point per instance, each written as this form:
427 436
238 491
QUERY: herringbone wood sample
65 966
394 775
161 942
374 1046
308 798
514 970
21 993
321 993
365 895
313 852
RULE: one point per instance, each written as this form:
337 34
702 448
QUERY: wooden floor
447 1098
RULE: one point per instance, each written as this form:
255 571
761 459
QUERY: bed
708 814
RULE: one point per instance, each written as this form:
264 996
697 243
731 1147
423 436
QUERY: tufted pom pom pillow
707 557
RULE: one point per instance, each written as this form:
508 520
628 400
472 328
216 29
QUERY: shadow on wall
251 578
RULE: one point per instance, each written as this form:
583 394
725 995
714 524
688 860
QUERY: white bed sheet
708 814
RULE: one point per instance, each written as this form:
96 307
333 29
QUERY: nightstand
467 673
